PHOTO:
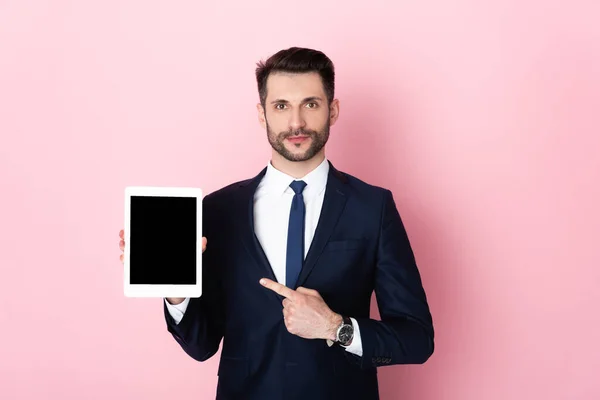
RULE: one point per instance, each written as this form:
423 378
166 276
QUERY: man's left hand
305 313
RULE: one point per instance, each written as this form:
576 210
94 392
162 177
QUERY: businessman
292 256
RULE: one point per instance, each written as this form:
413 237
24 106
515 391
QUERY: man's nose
296 120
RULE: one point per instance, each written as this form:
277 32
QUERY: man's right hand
172 300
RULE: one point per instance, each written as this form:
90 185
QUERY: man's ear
334 111
261 115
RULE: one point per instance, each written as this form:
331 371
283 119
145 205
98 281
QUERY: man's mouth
298 139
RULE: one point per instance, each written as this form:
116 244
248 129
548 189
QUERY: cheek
277 123
316 120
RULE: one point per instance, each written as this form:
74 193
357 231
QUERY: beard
318 139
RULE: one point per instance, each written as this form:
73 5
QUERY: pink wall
482 118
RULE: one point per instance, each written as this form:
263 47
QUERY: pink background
482 117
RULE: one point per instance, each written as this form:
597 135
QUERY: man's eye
279 106
311 105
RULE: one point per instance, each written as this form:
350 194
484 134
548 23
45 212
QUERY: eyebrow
312 98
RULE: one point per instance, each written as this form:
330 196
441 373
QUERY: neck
296 169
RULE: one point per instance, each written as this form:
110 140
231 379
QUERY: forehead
294 87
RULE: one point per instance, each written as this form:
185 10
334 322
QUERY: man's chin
297 156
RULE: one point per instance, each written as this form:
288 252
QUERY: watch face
345 334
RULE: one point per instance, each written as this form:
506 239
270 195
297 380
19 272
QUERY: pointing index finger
278 288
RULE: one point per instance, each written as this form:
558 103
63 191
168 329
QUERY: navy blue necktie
295 239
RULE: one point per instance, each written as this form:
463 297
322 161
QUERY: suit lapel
245 214
334 202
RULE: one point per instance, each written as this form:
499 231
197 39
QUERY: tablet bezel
132 290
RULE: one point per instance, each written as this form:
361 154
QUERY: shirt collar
278 182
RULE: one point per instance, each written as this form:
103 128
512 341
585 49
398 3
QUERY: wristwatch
345 332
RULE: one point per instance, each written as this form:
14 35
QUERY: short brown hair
296 60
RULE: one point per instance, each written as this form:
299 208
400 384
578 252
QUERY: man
292 257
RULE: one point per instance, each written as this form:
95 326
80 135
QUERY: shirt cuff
177 310
356 346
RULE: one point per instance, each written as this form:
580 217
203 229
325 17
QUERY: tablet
163 242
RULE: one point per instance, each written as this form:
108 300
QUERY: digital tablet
163 242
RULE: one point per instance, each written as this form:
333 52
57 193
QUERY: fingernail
262 282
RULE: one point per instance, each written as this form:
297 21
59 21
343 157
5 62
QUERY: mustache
297 132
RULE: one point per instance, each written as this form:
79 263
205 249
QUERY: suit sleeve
405 333
201 328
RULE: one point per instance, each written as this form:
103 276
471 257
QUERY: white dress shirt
272 202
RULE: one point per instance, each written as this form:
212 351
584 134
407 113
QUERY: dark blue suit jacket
360 246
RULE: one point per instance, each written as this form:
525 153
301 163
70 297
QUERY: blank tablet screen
163 243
